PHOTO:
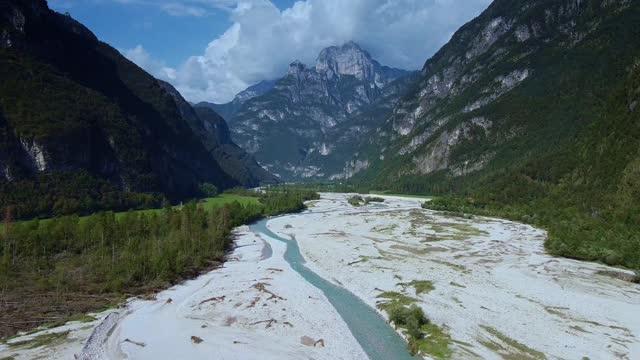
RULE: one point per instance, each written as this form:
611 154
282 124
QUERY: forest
58 194
62 265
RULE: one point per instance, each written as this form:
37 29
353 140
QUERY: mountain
214 133
228 110
83 128
529 112
307 126
521 80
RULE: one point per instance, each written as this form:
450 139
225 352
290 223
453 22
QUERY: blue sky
212 49
127 24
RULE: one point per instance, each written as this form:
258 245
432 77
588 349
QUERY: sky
212 49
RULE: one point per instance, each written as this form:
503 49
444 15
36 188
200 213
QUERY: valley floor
486 282
495 290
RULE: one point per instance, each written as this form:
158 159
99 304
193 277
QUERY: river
374 334
310 286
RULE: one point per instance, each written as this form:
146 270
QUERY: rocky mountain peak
307 125
296 67
348 59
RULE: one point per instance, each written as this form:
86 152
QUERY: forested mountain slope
530 111
83 128
213 132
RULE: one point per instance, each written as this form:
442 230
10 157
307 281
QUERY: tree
208 190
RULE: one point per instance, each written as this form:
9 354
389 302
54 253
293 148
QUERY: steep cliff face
234 160
72 104
307 126
350 59
521 80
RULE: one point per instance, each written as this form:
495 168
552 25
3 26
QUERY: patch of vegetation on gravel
509 348
421 286
423 336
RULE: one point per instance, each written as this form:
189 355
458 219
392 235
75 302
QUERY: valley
486 285
325 179
307 125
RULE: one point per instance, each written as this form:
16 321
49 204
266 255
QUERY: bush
356 200
412 319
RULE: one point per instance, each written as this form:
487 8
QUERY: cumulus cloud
178 9
142 58
263 39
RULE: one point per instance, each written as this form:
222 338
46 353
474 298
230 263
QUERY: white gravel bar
496 290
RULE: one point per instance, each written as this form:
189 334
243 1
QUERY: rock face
70 104
522 79
307 126
350 59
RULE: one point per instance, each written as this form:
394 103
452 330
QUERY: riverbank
254 304
56 269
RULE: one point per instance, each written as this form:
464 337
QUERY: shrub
411 318
356 200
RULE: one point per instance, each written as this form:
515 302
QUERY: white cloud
155 67
263 40
179 9
183 7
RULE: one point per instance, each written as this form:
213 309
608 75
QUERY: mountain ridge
457 87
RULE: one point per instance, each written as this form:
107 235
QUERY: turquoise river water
376 337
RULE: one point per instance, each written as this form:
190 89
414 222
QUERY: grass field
220 200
